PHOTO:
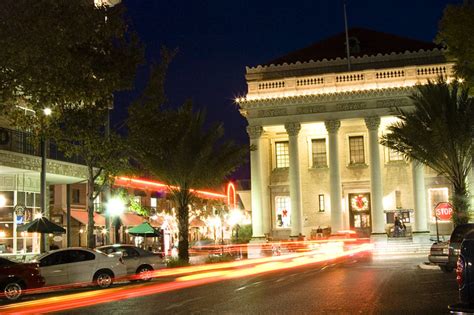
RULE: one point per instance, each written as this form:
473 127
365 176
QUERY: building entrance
359 213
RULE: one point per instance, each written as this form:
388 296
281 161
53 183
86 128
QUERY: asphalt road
395 285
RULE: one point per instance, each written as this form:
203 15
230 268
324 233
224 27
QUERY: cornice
324 97
340 61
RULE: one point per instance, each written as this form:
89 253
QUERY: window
53 259
153 202
356 150
76 196
282 154
322 206
319 152
283 211
73 256
437 195
394 155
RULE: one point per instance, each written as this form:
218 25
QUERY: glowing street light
47 111
115 207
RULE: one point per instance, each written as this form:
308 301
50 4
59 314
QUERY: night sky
216 39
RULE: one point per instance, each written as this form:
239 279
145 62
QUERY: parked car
16 278
138 261
439 255
80 266
465 277
457 236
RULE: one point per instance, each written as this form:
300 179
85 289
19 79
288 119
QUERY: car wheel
13 290
144 273
104 278
446 269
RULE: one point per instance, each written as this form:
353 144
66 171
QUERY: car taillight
460 271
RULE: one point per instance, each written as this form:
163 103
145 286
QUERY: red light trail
187 277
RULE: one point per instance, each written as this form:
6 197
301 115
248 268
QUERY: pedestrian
397 227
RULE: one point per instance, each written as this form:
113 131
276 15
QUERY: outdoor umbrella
41 225
144 229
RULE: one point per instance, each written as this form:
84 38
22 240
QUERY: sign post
444 212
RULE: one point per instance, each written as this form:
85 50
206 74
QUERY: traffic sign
444 211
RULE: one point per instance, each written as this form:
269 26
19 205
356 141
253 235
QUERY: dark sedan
16 278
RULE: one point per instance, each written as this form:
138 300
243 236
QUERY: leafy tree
175 147
453 32
81 132
71 57
438 133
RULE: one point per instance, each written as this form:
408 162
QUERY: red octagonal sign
444 211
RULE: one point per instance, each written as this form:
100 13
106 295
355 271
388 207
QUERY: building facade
314 125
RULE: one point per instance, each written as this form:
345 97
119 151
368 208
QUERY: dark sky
218 38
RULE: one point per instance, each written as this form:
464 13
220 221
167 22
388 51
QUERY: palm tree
175 147
439 134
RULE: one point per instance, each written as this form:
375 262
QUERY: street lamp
235 219
115 207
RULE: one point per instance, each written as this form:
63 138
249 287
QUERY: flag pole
347 39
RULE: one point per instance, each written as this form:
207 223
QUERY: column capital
255 132
332 125
372 122
293 128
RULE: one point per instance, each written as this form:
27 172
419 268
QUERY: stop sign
444 211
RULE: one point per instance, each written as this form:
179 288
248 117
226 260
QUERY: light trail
205 274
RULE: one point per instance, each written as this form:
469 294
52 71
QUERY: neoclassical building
314 124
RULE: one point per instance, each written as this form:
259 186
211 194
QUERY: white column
293 129
255 133
419 195
265 184
376 189
332 126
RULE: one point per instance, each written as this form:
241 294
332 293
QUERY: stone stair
401 246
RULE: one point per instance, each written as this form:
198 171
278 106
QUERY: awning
131 219
81 216
197 222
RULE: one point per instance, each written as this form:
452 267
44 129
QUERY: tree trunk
90 211
183 225
460 201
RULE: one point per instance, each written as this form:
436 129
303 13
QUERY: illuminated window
282 154
322 206
394 155
319 152
437 195
356 150
153 202
283 211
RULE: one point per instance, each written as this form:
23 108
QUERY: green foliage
71 57
438 133
64 52
174 262
244 234
226 257
454 32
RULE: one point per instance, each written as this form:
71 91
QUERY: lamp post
44 146
107 4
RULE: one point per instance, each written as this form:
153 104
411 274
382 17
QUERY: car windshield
460 232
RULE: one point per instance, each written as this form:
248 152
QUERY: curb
428 266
